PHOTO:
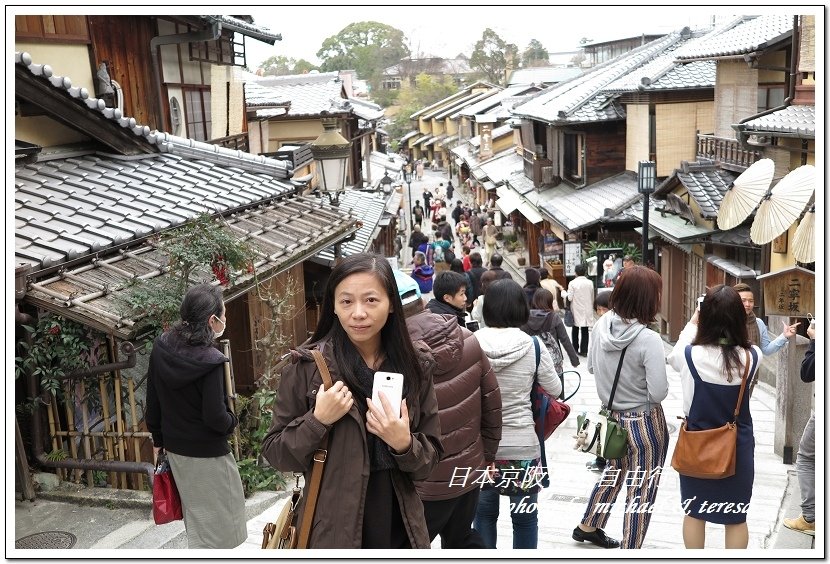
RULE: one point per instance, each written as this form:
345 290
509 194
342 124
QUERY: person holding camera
805 461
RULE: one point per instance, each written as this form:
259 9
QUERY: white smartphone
391 384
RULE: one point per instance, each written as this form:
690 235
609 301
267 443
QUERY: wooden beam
74 113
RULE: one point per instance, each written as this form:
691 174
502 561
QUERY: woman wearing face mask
189 418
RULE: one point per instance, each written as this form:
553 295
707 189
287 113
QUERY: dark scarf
380 458
752 329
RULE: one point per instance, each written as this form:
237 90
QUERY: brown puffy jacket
469 404
295 434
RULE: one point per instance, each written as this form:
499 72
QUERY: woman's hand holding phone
384 423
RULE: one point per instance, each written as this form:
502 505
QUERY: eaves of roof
561 103
575 209
743 36
239 26
369 208
792 121
451 99
164 142
282 234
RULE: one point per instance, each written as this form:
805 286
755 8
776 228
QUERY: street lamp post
646 179
331 154
407 177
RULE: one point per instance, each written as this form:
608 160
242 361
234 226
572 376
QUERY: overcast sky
448 30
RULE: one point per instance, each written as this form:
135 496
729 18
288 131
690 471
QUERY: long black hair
722 323
200 303
394 337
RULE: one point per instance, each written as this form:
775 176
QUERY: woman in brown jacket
367 496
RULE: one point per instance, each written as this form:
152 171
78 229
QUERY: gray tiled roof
500 131
409 135
502 166
799 121
707 187
521 183
496 100
166 142
71 207
282 234
748 35
575 209
455 106
697 74
581 99
451 99
369 208
366 110
706 183
455 112
664 72
309 94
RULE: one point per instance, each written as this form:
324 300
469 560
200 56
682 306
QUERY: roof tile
745 35
792 120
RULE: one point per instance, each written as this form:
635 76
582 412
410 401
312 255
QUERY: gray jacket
643 381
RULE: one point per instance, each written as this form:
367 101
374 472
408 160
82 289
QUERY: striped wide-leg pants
639 471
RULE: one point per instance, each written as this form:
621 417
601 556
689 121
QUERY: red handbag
167 505
548 412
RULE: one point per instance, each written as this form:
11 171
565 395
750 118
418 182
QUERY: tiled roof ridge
305 78
629 61
267 34
166 142
716 34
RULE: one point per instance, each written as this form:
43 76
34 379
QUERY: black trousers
580 344
453 520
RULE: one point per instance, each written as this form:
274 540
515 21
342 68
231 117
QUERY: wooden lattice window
197 112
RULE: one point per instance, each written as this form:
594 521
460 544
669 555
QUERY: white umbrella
804 240
784 204
745 193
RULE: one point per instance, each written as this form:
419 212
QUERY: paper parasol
804 240
783 205
746 191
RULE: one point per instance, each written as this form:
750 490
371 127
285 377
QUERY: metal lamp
407 177
646 180
331 155
386 183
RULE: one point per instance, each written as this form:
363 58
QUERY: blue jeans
523 511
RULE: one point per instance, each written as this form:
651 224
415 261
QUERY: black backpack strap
616 379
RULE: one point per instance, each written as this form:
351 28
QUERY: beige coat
581 298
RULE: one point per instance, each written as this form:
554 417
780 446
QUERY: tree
492 55
302 67
426 92
280 65
366 47
535 55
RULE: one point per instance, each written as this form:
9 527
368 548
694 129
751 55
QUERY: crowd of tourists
437 461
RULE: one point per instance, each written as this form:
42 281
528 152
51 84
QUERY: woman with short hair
512 355
621 339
